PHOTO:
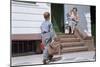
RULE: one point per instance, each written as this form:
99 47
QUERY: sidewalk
67 57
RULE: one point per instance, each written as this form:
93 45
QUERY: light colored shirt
46 26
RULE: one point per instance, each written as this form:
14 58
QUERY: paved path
67 57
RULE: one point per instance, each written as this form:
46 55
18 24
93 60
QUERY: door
57 17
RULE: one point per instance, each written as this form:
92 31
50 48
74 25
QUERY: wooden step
69 40
72 44
66 36
74 49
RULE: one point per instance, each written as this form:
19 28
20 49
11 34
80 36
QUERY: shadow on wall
84 24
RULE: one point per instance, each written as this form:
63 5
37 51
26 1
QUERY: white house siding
84 13
27 17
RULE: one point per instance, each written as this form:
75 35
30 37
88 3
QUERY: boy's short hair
46 15
74 8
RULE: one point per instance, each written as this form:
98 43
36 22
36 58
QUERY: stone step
69 40
72 44
67 36
74 49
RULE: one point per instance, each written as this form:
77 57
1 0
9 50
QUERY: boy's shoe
50 57
45 61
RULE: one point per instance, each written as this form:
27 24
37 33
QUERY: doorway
57 17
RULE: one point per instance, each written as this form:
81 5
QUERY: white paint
86 2
88 31
84 12
26 24
27 17
25 30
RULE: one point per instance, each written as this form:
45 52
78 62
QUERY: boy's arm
77 19
69 16
53 31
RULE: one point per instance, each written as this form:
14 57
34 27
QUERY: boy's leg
45 54
45 51
70 27
70 30
73 27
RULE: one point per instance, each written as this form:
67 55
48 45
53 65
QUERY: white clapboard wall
27 17
84 13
